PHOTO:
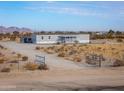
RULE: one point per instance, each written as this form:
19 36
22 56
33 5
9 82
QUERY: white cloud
67 10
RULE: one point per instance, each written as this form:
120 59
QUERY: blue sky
63 15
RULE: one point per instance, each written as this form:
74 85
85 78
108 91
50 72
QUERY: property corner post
99 61
18 63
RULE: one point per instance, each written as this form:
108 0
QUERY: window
49 37
42 37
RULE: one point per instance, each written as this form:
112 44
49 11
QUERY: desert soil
62 74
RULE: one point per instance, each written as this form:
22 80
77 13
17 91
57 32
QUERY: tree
110 34
111 31
118 33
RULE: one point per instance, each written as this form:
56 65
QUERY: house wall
46 39
83 38
33 38
49 39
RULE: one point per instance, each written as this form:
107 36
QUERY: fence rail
40 59
94 59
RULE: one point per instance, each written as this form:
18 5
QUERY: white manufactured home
56 38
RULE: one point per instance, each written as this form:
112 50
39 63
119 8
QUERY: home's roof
62 34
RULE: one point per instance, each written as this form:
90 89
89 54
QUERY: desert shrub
5 70
11 65
74 45
37 48
61 54
31 66
19 55
49 51
118 63
43 67
12 38
2 60
41 48
1 47
24 58
119 40
77 59
71 52
52 47
99 48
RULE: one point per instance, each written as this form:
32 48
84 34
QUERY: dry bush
37 48
51 47
43 67
5 70
77 59
72 52
107 50
2 60
119 40
31 66
1 47
24 58
19 55
118 63
42 48
61 54
99 48
49 51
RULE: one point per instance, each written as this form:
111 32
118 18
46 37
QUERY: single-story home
56 38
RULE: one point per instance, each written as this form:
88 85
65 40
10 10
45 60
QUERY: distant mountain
12 29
